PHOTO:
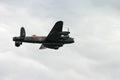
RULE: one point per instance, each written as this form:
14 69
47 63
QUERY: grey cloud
15 67
93 56
107 3
109 69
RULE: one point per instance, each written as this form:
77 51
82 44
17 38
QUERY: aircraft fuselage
38 39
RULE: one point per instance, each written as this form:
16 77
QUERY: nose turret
72 40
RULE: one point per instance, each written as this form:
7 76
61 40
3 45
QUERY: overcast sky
94 24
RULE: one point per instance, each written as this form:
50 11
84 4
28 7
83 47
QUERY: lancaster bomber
55 39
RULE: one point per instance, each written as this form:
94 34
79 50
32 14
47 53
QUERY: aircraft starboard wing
42 47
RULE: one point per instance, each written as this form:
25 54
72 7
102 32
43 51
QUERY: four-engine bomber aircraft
55 39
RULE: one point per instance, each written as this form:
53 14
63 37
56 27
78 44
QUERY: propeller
68 29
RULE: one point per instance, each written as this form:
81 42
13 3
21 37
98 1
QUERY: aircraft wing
42 47
53 35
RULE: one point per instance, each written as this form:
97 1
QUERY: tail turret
18 40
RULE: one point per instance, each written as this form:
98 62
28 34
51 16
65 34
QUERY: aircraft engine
53 47
64 33
53 44
18 43
22 33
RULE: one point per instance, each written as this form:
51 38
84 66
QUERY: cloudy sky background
95 25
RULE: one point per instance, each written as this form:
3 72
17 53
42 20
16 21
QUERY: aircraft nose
73 40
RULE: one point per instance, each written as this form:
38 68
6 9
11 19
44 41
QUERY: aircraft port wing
54 33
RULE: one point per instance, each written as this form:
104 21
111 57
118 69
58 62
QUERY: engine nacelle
53 44
17 43
64 33
22 33
53 47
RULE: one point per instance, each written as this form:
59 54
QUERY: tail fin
22 33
